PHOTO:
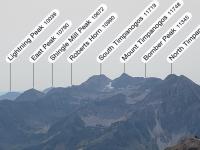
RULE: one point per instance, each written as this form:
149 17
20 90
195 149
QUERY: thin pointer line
52 75
171 68
71 75
100 68
10 77
124 67
33 75
145 70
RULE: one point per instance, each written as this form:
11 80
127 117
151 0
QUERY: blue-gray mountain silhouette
10 96
127 113
30 95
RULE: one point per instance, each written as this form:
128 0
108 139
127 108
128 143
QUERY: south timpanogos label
127 31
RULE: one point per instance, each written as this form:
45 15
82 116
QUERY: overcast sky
19 17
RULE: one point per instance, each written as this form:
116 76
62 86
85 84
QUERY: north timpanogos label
185 44
41 27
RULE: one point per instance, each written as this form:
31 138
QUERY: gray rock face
186 144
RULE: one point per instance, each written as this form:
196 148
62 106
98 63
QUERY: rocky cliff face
187 144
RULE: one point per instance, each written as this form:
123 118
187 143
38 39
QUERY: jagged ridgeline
127 113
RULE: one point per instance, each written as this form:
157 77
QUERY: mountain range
127 113
9 95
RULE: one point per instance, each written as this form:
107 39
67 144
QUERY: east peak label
59 32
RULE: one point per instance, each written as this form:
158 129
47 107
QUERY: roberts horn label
92 38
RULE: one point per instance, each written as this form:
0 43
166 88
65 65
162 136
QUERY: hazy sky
19 17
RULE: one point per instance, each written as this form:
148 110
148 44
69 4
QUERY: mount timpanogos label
154 28
39 29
